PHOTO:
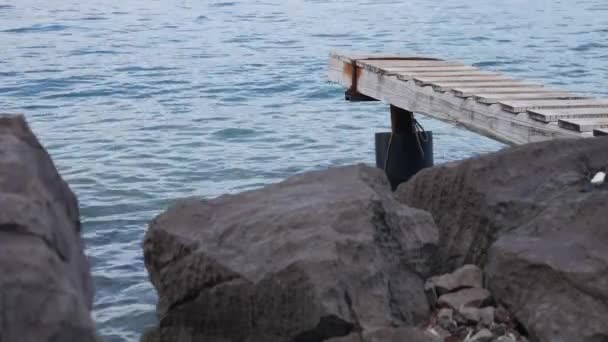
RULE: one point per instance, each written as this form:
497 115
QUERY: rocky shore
465 311
505 247
334 255
46 292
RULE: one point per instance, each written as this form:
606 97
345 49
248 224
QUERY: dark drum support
404 151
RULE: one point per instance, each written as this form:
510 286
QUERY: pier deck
490 103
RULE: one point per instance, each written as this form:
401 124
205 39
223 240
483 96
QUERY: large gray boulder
532 217
46 292
319 256
402 334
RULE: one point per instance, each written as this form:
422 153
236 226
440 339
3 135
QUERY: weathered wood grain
448 86
379 66
431 95
406 76
522 106
490 121
350 57
552 115
430 80
583 125
491 98
467 92
600 132
380 63
430 69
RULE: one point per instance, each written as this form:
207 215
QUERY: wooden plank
340 71
491 98
350 57
378 66
447 86
406 76
600 132
431 68
583 125
522 106
430 80
531 89
553 115
491 121
405 63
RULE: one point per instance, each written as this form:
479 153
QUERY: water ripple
143 103
37 29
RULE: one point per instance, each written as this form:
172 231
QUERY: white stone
484 335
465 277
473 298
599 178
438 332
507 338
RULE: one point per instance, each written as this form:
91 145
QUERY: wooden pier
490 103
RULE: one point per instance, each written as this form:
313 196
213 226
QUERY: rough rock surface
530 215
468 298
405 334
322 255
45 289
483 335
464 277
470 323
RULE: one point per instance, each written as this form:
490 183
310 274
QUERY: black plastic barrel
406 158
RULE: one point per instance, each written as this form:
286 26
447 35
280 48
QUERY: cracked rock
529 215
46 292
323 255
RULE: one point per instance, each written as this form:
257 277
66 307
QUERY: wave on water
38 29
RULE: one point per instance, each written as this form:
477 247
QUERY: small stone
452 339
507 338
460 331
471 315
438 332
484 335
445 318
499 329
487 316
471 298
395 334
460 319
502 315
599 178
465 277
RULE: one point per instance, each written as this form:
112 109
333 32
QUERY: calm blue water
141 102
